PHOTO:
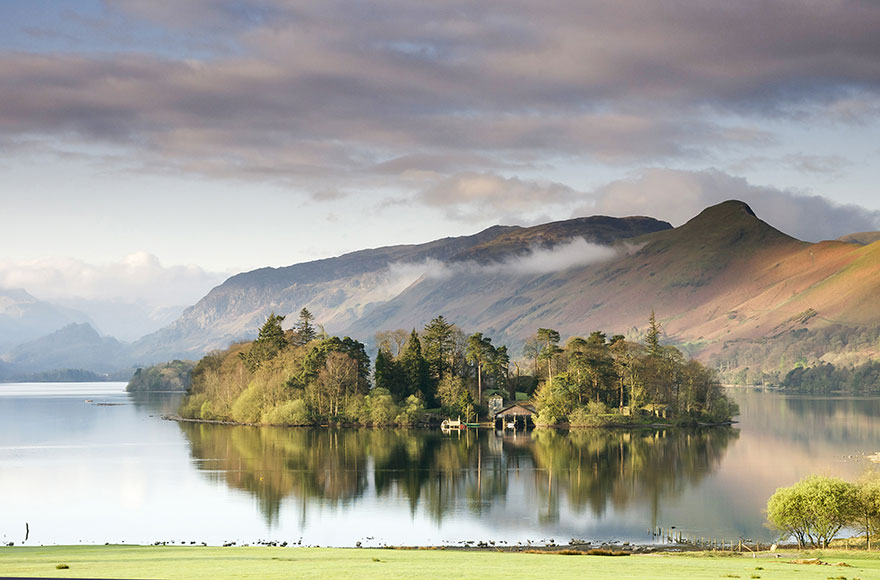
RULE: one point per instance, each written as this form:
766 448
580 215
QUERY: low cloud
537 261
677 196
139 277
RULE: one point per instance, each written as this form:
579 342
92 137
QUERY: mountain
24 318
76 346
685 274
340 291
726 286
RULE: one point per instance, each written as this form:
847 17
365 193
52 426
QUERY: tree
653 339
392 341
414 370
454 397
439 341
868 505
814 509
303 331
479 351
269 341
549 340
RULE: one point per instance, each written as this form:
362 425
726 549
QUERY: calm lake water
89 463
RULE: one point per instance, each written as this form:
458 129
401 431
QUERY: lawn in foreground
384 564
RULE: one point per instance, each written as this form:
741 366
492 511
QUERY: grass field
385 564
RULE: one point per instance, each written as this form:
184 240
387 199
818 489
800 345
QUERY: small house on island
515 416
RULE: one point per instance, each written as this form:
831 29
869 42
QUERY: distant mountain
76 346
340 291
24 318
125 320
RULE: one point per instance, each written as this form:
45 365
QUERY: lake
89 463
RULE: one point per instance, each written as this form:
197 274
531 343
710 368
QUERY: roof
517 409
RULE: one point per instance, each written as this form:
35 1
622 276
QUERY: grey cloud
474 196
677 196
329 91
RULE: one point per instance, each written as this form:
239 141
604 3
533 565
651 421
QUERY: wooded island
303 377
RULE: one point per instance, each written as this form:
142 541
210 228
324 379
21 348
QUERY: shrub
248 406
412 410
293 412
383 411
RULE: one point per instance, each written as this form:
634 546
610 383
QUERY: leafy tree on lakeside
815 509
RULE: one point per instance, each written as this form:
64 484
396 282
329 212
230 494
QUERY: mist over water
89 463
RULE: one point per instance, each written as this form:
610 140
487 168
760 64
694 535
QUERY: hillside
339 291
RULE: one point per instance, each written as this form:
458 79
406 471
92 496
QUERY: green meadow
388 564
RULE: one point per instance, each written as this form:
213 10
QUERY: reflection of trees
446 473
273 463
593 467
158 403
808 421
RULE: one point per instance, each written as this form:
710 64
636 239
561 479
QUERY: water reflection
583 471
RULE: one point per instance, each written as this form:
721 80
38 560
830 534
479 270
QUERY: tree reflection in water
473 470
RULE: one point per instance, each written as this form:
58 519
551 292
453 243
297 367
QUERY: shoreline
481 425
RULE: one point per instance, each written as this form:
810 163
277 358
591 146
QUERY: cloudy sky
186 140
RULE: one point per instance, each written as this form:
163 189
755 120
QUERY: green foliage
248 407
269 342
439 343
382 410
867 508
455 399
294 412
825 378
813 510
598 375
169 376
303 332
652 340
414 372
411 411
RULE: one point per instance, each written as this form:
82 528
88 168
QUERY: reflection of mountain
589 469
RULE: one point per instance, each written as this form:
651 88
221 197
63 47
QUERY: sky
154 148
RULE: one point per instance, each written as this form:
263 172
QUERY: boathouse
515 416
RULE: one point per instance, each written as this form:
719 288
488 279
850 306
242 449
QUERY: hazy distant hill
24 318
76 346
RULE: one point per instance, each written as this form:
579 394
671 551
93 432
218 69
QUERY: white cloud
537 261
138 277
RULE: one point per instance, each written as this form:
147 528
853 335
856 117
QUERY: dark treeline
825 378
169 376
302 377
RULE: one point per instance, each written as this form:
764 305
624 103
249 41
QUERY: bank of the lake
193 563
